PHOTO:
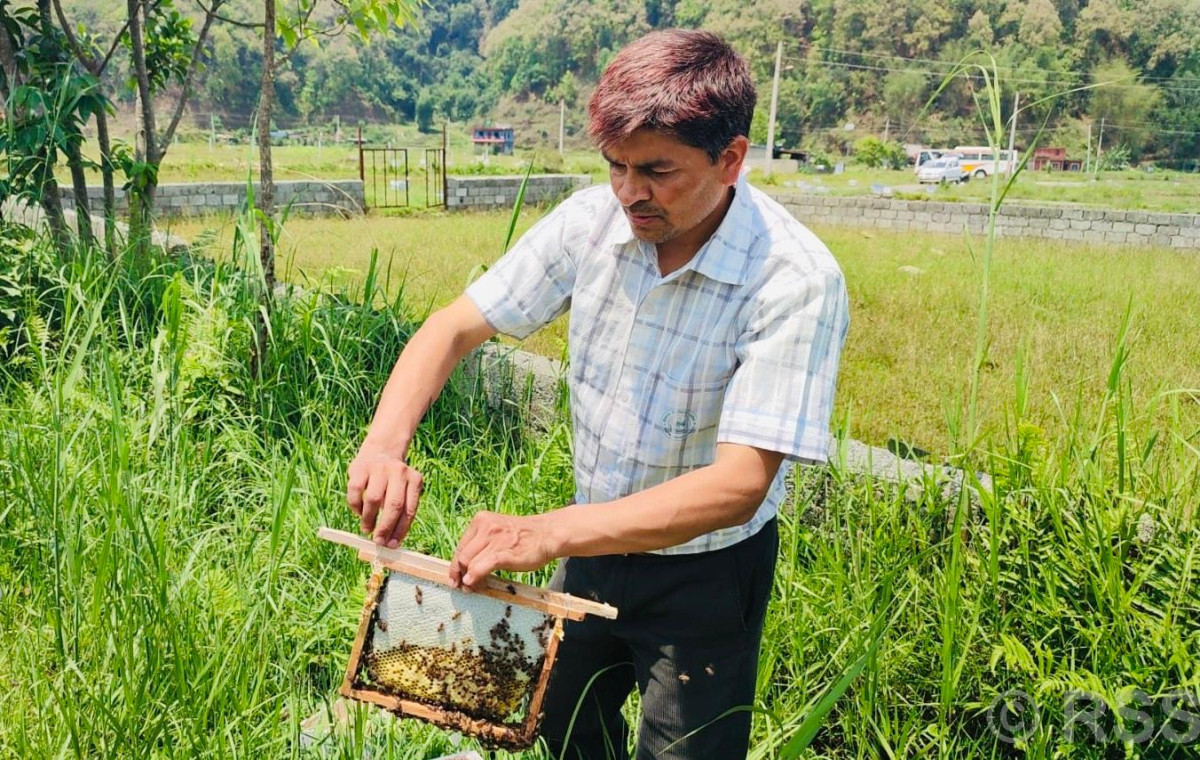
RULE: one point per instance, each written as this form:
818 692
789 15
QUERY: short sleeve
531 284
780 397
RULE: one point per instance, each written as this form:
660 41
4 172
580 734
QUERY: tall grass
162 595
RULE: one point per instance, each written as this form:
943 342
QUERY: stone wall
1060 223
311 197
496 192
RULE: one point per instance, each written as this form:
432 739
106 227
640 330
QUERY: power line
999 67
966 74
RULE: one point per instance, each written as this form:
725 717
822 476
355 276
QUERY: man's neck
677 252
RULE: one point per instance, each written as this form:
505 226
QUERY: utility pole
212 130
887 128
774 107
1012 135
562 118
1087 166
1100 144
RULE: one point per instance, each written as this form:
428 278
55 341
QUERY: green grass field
1059 306
162 593
1166 191
194 160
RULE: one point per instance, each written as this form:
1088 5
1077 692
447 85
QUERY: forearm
722 495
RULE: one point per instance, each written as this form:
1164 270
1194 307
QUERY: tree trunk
110 192
51 201
83 212
141 195
266 193
266 174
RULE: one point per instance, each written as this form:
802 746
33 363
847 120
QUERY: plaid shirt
740 345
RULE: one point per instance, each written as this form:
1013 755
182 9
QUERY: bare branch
212 11
188 78
113 47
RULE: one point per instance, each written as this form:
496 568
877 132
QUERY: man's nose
631 188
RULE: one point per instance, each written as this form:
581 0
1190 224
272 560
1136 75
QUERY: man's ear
732 158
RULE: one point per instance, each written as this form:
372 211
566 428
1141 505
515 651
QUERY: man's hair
686 83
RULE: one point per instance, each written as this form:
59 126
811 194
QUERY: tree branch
135 10
113 47
225 19
188 78
87 61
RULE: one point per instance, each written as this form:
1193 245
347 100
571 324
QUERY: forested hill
871 63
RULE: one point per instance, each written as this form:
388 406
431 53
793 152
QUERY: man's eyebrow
658 163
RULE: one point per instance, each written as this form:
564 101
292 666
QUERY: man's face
668 188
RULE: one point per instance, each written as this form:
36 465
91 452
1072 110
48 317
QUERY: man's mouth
641 218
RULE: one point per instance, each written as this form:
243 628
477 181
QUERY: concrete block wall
1053 222
498 191
310 197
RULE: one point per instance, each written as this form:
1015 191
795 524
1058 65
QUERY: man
705 330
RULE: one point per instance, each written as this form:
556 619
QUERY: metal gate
386 179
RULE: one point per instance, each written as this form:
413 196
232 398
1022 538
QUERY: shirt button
626 397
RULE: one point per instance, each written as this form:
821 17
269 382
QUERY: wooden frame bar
437 570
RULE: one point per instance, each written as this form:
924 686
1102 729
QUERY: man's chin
653 235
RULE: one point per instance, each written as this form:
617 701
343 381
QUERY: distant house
1055 159
498 137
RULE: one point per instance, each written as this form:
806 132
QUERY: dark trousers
687 636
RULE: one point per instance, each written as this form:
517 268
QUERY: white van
979 162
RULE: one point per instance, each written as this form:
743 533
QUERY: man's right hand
383 491
380 487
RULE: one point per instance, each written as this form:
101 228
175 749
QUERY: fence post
362 177
445 169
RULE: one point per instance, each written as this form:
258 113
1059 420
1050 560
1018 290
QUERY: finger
479 569
393 507
466 552
373 496
468 546
409 513
356 481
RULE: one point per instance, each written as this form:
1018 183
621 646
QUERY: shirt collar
724 257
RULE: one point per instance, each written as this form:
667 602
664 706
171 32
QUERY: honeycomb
463 652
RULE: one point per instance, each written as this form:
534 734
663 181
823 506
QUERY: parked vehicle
925 155
979 162
941 170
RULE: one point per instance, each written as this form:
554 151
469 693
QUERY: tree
47 104
158 38
904 94
1124 103
94 60
876 153
293 27
979 29
425 112
1040 25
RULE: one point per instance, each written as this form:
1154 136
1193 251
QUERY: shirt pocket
682 419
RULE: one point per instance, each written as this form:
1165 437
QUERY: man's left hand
500 542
